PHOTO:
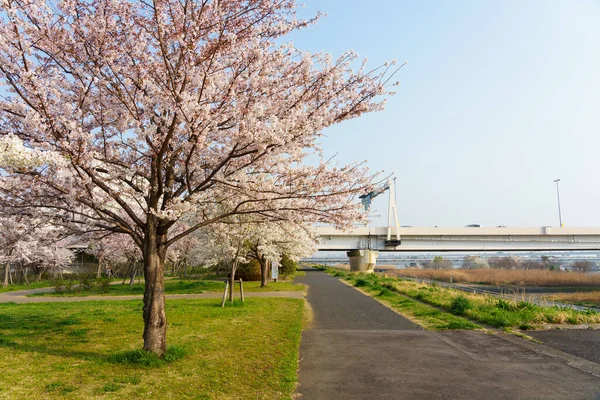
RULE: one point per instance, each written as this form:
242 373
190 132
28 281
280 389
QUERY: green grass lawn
181 286
67 350
483 309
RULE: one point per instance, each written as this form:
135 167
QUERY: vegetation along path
359 349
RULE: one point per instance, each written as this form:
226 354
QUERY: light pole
558 197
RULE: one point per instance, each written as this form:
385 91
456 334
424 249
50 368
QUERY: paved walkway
359 349
20 297
581 343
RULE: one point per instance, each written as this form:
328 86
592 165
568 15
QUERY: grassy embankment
483 309
90 350
507 277
177 286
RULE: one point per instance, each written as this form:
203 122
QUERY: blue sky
498 99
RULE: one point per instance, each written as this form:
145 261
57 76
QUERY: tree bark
6 269
99 274
39 276
132 278
155 318
25 276
264 271
232 279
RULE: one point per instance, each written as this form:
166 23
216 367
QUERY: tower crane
366 200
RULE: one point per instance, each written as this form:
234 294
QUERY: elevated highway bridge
363 244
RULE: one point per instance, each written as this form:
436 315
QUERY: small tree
287 266
440 263
508 262
545 262
474 262
531 264
582 267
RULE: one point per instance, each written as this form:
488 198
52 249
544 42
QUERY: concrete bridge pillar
362 260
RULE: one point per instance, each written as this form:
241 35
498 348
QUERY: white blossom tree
185 251
123 116
268 242
28 242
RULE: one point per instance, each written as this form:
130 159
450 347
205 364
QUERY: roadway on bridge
357 348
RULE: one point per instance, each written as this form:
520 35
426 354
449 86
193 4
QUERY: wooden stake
225 293
242 290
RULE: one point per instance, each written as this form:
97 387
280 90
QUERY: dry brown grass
506 277
591 299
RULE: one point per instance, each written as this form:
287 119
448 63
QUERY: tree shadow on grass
54 351
21 333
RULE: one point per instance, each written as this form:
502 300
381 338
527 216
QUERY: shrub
525 305
59 285
420 296
390 286
104 284
287 266
86 281
460 305
361 282
249 271
69 283
505 305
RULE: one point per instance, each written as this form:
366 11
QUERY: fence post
225 293
241 290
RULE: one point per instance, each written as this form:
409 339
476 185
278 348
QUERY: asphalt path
580 343
341 307
359 349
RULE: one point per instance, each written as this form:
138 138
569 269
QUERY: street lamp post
558 197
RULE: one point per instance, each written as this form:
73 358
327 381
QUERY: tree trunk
155 318
99 274
132 279
6 269
25 276
232 279
39 276
264 271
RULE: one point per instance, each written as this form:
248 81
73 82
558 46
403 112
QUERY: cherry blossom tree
184 251
114 249
237 239
124 116
29 242
227 242
268 242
